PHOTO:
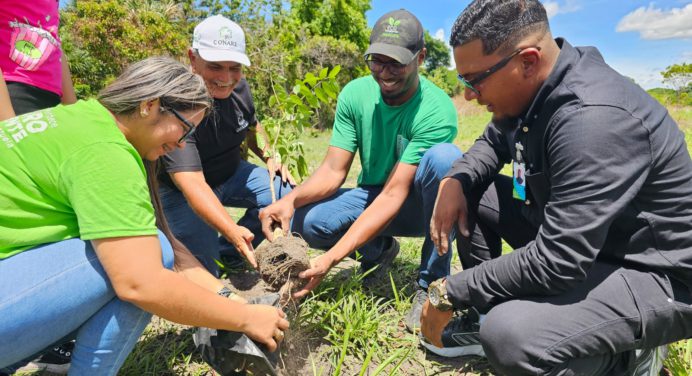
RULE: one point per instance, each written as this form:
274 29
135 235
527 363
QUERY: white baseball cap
219 39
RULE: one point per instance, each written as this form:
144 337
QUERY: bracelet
225 292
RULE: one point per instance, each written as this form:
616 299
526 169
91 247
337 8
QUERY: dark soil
280 261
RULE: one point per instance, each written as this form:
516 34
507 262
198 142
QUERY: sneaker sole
453 352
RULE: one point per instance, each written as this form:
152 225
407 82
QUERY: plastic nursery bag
234 353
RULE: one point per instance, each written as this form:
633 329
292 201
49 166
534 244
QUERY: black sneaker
649 362
412 319
460 337
56 360
381 264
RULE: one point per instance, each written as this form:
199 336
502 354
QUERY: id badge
519 181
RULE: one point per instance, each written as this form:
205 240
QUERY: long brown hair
152 168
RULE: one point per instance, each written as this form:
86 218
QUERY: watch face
434 297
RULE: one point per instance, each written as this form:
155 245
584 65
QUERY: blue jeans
247 188
58 292
323 223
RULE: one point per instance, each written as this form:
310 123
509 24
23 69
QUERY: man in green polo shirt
402 126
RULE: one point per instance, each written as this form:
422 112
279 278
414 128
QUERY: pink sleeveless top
29 44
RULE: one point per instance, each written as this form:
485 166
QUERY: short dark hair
499 23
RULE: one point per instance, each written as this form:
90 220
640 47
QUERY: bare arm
205 203
68 94
326 180
147 284
6 110
321 184
379 214
373 220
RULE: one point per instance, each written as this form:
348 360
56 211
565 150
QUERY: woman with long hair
80 253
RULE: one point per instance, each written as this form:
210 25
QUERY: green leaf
294 99
335 71
296 89
331 89
304 110
305 91
323 73
397 22
302 167
312 100
391 21
321 95
310 79
260 141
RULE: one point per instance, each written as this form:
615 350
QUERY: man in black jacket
599 211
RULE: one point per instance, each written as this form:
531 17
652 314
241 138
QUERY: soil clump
280 261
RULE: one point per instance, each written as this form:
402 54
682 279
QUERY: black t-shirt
214 148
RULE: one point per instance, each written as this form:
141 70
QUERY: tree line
285 41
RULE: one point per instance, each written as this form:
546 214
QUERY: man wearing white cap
209 173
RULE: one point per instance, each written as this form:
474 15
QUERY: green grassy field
345 329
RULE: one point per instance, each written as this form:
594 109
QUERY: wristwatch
225 292
437 294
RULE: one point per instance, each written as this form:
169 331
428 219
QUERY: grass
346 329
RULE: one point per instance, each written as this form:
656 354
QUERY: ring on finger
279 334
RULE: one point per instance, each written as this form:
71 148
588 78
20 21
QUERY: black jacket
609 178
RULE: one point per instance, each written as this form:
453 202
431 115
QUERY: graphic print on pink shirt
30 46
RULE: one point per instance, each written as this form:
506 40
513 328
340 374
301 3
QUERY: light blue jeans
58 292
247 188
323 223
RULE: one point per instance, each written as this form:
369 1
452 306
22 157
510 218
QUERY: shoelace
466 321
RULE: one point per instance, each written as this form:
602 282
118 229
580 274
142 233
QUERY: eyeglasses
394 67
189 127
471 84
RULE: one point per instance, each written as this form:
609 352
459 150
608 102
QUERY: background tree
340 19
679 76
100 38
438 53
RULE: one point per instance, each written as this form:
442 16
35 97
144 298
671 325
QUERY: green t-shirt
385 135
69 172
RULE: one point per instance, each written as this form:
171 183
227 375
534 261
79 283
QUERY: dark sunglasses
471 84
394 67
189 127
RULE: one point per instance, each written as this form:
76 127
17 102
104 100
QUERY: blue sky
638 38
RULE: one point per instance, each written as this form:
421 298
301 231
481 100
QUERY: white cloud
648 77
554 8
439 35
654 23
